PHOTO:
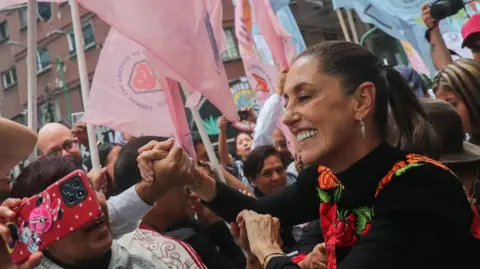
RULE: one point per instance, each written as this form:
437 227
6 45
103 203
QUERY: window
43 60
9 78
48 111
231 52
22 13
44 11
3 31
88 38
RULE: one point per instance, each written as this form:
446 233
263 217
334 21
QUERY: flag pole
352 26
342 24
205 139
84 82
32 69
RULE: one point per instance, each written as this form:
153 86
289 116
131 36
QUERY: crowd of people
383 176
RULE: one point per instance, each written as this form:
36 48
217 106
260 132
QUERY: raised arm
222 142
440 53
297 204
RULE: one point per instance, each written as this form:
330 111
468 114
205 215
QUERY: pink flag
180 40
261 77
278 39
126 95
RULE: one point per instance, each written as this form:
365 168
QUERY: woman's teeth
306 135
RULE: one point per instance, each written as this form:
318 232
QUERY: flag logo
143 79
262 84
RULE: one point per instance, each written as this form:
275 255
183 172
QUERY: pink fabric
261 77
126 95
278 39
180 39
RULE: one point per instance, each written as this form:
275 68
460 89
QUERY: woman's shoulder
421 184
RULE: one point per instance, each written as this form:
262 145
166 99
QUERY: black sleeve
422 220
311 236
220 236
211 257
297 204
281 263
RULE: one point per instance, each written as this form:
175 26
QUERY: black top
311 237
214 243
421 219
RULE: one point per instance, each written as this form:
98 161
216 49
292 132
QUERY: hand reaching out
427 18
99 179
7 212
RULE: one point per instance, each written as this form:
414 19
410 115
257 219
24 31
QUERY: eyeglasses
68 146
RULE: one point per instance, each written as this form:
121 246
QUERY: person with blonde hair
459 83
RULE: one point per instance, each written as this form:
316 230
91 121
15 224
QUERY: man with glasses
55 139
126 209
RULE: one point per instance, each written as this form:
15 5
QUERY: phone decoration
40 221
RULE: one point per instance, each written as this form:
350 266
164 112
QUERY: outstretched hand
7 213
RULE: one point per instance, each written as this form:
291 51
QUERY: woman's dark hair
355 65
104 149
40 174
254 163
462 77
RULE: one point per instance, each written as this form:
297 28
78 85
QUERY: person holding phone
91 246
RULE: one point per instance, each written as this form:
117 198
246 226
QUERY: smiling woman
380 207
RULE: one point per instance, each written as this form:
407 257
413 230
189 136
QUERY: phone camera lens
76 183
80 194
71 199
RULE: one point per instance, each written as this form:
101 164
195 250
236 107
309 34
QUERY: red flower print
367 228
475 223
326 179
331 254
415 158
328 216
345 232
386 179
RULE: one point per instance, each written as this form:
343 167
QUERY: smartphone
47 217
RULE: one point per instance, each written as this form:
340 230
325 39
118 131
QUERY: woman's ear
365 100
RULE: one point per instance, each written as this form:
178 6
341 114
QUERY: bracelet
272 254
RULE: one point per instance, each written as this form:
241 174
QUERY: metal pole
61 70
84 82
343 25
32 69
206 140
352 26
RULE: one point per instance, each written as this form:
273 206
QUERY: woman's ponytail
413 132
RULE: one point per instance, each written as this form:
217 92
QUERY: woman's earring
362 127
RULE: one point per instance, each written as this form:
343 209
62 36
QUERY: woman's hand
149 153
262 233
317 259
222 124
7 213
99 180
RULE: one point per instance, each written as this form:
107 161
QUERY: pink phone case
45 218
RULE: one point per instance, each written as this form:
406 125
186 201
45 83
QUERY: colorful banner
401 19
414 58
244 98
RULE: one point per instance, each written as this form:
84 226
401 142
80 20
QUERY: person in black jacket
172 215
379 207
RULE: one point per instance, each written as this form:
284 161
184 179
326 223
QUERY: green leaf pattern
323 195
364 216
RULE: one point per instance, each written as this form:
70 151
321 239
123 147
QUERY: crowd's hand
149 153
7 212
281 82
222 124
99 179
317 259
80 132
427 18
262 232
